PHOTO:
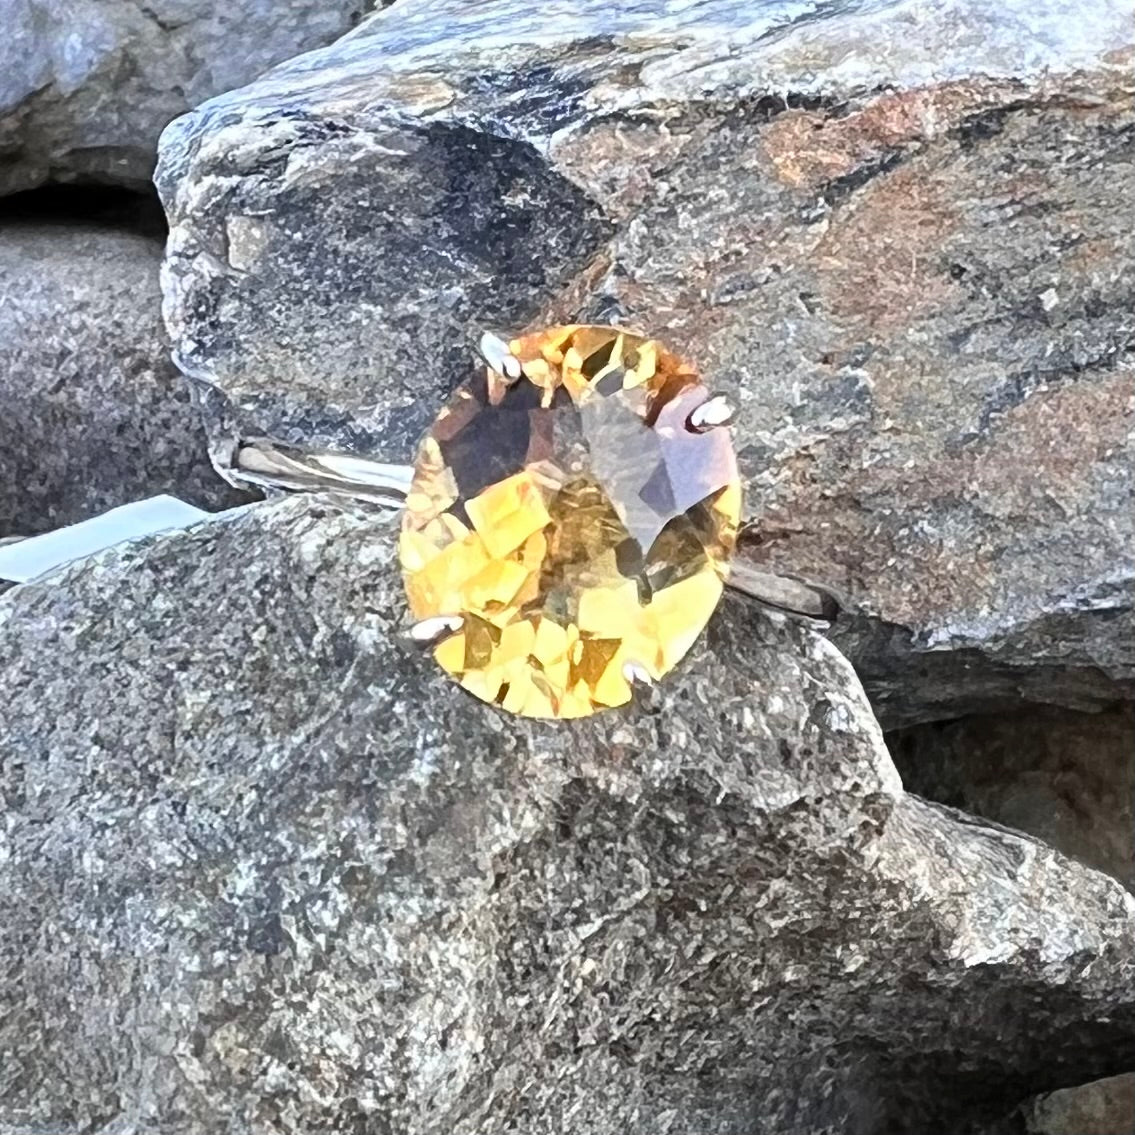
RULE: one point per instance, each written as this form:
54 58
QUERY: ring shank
275 465
783 592
271 464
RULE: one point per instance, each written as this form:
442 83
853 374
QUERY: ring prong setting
495 351
431 631
715 412
637 675
535 513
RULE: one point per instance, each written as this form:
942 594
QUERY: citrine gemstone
573 519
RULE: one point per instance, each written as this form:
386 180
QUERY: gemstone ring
569 523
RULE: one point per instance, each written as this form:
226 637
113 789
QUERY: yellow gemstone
572 519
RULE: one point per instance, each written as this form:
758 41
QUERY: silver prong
711 414
434 629
637 674
494 350
646 694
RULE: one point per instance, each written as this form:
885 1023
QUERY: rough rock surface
263 868
87 85
95 414
890 230
1066 777
1106 1107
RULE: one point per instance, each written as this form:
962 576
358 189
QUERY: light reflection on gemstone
572 519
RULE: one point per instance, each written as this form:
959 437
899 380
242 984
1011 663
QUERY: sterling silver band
275 465
271 464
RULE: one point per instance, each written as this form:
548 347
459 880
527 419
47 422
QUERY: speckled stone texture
1066 777
890 231
264 869
94 412
87 85
1105 1107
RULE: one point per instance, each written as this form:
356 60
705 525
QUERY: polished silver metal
430 631
494 350
646 694
275 465
712 414
637 674
790 594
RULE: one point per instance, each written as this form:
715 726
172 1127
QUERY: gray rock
1067 778
1105 1107
95 414
264 868
86 86
889 230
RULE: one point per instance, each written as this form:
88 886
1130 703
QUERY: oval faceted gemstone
572 519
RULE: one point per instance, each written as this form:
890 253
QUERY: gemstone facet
573 519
